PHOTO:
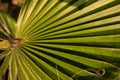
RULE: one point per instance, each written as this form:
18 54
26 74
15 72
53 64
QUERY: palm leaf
62 40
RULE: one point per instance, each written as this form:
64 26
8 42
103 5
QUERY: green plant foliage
62 40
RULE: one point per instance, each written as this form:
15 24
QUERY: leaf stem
5 44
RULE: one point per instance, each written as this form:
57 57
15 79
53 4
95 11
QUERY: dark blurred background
12 7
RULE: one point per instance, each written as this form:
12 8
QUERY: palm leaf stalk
61 40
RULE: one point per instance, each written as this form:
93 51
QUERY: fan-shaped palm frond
62 40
